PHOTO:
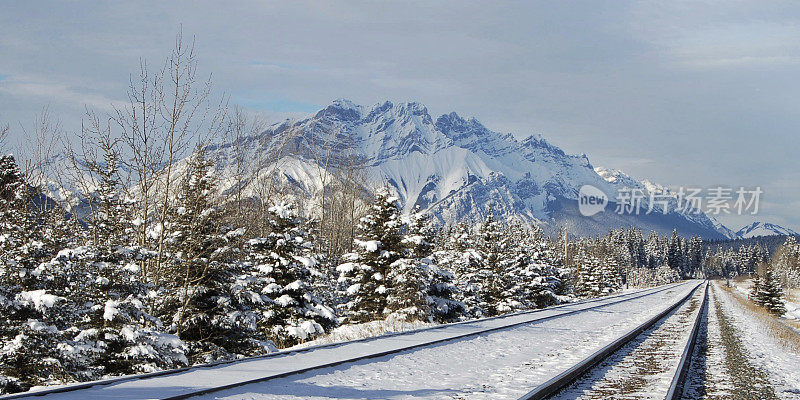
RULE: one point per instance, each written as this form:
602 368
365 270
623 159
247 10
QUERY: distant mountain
727 232
619 180
763 229
451 166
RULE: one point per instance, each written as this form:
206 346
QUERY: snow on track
708 378
645 367
502 364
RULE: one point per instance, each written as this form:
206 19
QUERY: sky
695 94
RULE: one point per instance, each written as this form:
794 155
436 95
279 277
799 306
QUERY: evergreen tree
378 246
34 306
444 296
609 276
281 266
589 276
420 289
495 290
532 277
657 251
201 305
768 292
756 288
461 259
637 246
695 256
117 333
675 257
112 212
410 277
787 263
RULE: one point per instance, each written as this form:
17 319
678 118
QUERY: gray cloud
696 94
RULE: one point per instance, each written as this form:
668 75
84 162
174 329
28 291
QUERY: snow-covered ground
502 364
792 303
764 350
346 333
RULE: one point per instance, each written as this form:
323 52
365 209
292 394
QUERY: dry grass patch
793 295
783 331
740 278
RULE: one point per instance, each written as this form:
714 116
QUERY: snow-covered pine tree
200 304
496 290
407 300
636 244
111 212
34 310
444 295
615 247
116 335
323 281
460 259
410 277
787 263
378 245
531 274
610 279
769 293
589 274
755 289
111 331
420 236
695 256
280 266
657 250
665 274
675 257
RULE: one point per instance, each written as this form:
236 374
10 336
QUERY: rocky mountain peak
341 110
456 168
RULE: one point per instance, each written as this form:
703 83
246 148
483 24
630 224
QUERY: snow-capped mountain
724 230
763 229
620 181
453 167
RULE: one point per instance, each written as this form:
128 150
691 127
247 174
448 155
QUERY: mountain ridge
453 167
760 228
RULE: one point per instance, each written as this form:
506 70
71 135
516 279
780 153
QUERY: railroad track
558 385
490 325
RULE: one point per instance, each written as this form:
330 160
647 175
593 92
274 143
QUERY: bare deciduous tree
88 164
246 164
342 178
39 163
4 132
168 114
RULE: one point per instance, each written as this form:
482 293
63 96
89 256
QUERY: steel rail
676 386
